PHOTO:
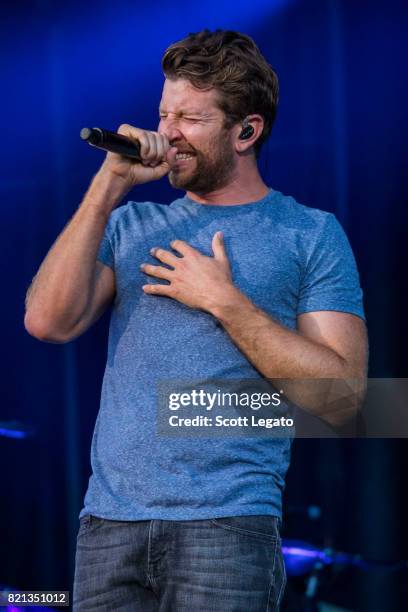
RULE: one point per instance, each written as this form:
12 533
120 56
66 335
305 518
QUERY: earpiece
247 130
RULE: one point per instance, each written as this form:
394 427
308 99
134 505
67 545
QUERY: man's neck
241 189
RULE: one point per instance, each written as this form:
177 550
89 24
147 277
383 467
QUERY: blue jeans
231 564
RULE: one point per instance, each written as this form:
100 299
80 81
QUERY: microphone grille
85 133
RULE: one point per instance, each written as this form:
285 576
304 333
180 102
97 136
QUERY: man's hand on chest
195 280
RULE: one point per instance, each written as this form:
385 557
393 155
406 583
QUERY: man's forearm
276 351
279 353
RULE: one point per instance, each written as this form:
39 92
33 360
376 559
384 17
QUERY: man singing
232 281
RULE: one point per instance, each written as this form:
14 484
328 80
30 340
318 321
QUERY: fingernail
142 266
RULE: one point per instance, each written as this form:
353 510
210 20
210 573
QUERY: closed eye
185 118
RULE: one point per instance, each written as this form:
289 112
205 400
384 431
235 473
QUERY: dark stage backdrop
337 145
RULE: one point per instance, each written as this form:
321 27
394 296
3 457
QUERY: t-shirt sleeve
106 252
331 280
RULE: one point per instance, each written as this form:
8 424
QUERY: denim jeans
230 564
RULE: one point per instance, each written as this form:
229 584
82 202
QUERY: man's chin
178 180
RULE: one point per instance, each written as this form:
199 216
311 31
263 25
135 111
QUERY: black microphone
111 141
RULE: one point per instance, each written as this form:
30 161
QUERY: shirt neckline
231 207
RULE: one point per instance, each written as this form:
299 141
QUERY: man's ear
248 132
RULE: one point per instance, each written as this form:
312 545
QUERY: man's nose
170 129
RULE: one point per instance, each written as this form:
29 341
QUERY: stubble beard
212 170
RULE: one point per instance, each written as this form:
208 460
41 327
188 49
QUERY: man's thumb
166 165
218 246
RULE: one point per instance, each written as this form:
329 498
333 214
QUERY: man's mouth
182 156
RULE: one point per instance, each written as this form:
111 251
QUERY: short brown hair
231 63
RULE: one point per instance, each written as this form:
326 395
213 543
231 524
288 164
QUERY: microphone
111 141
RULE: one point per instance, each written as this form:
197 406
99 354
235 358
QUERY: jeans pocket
89 523
260 527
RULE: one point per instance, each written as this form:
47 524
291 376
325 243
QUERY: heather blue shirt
288 259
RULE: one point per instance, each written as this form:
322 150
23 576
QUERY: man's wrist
230 301
105 193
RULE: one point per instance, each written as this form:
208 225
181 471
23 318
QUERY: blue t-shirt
288 259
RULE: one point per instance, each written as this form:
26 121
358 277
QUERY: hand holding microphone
111 141
152 154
